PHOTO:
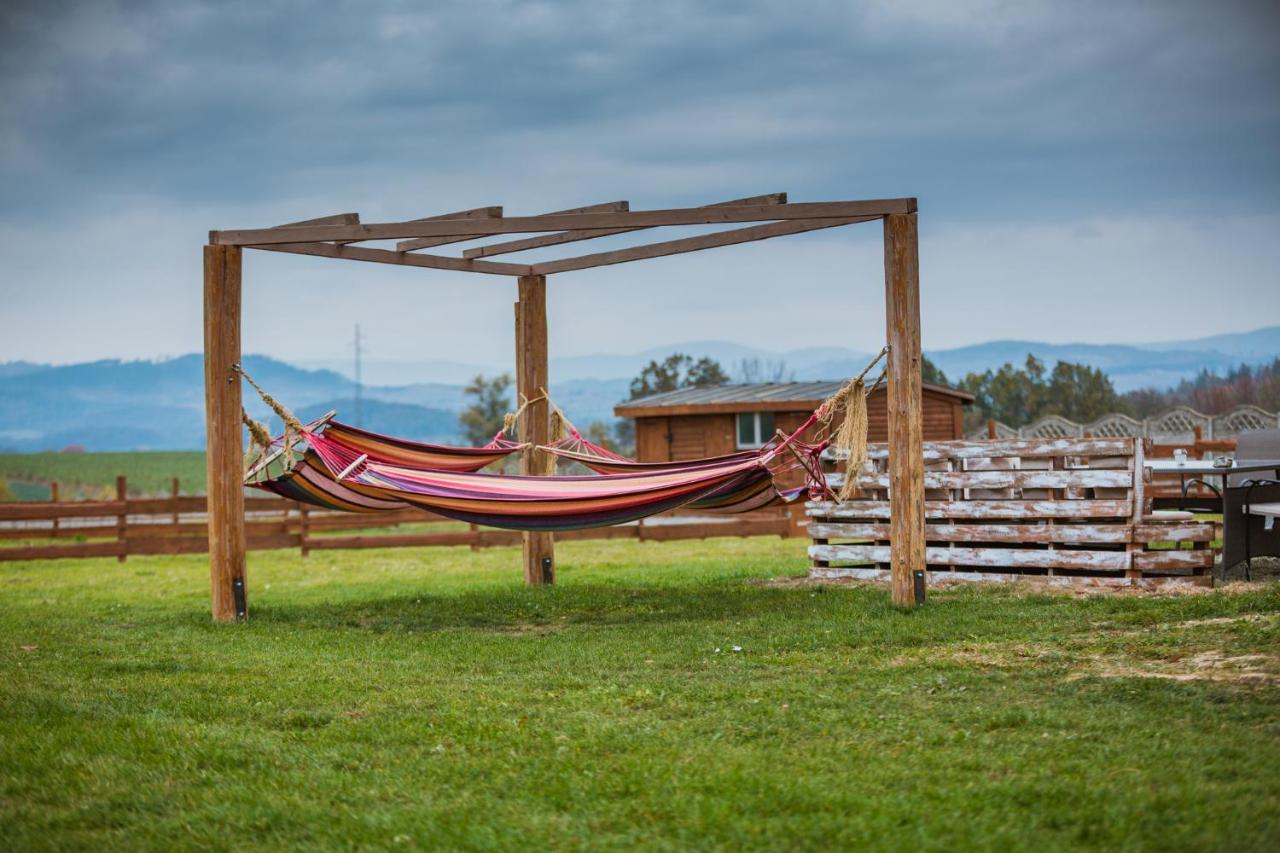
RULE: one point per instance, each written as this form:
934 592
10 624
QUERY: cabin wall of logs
1066 511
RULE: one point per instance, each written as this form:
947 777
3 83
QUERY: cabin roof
751 397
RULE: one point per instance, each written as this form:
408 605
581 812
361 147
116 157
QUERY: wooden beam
335 219
566 222
224 449
490 212
386 256
906 427
531 379
427 242
589 234
693 244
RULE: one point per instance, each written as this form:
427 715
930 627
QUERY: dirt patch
985 655
533 629
1259 670
1228 620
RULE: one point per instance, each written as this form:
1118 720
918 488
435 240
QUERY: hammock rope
293 427
259 437
851 436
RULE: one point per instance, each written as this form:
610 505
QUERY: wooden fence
1177 425
45 530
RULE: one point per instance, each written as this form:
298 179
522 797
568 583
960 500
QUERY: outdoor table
1201 468
1238 503
1206 468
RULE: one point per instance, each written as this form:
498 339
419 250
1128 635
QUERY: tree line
1015 396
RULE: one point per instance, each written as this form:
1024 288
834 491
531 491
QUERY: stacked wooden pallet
1070 511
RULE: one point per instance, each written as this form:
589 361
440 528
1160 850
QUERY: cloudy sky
1086 172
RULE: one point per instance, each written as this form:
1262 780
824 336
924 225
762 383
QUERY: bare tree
757 370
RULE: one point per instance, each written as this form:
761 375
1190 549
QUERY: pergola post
906 427
531 379
224 447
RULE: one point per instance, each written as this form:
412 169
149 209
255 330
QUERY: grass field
662 695
93 475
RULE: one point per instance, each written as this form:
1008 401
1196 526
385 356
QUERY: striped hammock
360 475
309 481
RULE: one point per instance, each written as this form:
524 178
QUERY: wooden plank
693 244
386 256
1185 531
45 510
258 237
335 219
1150 561
531 382
1019 558
1057 581
993 509
1011 479
590 234
1077 534
393 540
905 403
224 445
709 530
60 552
152 545
490 212
428 242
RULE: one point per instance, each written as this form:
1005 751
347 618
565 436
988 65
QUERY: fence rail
1177 425
178 525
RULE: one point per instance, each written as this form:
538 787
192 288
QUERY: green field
421 699
93 475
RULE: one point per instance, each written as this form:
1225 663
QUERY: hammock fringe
851 436
259 438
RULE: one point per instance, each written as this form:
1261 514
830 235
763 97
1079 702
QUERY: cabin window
754 429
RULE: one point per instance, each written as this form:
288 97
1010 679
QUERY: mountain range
135 405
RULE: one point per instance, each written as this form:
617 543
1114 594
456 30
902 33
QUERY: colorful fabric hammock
744 498
310 482
356 470
543 503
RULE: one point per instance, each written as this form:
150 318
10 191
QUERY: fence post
475 535
53 496
795 519
174 492
122 520
991 428
304 528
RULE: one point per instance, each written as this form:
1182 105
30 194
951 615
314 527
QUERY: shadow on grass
859 616
511 610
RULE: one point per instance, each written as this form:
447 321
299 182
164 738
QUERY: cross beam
427 242
590 234
564 222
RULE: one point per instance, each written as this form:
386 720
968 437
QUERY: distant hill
416 423
159 405
1157 365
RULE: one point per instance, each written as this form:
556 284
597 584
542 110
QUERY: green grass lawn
414 699
93 475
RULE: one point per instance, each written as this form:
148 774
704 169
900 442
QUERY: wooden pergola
344 236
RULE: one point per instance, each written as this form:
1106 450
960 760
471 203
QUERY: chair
1248 534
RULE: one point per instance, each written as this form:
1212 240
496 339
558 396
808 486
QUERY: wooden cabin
691 423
